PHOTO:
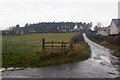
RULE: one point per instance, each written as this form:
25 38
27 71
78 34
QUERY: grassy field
39 36
25 50
24 43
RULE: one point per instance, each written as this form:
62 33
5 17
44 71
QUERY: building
104 31
115 26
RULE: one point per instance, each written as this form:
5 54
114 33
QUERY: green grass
25 50
56 58
114 47
108 45
45 58
39 36
25 44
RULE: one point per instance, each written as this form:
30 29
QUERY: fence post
62 45
43 44
71 44
5 46
24 45
52 44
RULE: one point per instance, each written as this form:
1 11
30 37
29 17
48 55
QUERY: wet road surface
97 66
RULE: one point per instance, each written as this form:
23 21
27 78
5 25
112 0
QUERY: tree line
48 27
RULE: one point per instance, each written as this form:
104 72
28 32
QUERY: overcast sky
20 12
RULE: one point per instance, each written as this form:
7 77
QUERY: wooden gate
53 45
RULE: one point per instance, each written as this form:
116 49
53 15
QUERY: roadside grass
108 45
25 51
41 58
115 48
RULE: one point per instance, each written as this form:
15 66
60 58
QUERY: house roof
116 21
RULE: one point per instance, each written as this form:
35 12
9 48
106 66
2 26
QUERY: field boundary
63 45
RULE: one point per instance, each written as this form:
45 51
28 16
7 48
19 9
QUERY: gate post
52 44
71 44
62 45
43 44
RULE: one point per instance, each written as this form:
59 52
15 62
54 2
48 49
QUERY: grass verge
23 52
41 58
115 49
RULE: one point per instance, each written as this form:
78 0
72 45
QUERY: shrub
104 43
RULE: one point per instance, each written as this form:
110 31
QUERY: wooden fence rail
62 44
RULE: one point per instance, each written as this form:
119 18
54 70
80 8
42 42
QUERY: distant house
22 32
76 29
71 30
115 26
104 31
63 30
32 31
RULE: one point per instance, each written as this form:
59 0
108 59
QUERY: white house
115 26
76 29
104 31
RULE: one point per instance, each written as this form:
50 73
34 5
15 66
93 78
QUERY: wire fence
20 46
